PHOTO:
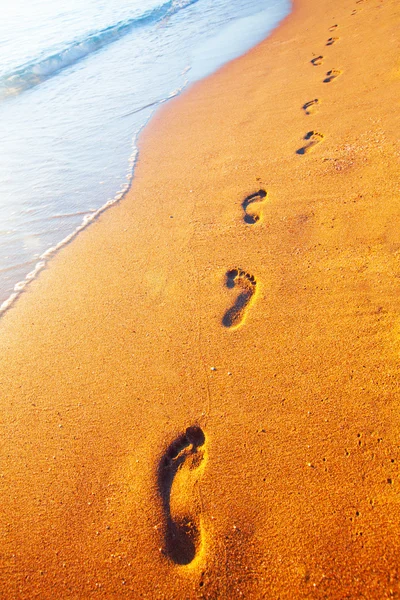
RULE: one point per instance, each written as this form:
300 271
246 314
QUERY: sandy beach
200 394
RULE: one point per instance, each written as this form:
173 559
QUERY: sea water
78 81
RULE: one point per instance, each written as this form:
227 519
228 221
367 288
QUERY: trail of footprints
312 138
183 462
181 465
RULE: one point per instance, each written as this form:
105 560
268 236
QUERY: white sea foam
50 252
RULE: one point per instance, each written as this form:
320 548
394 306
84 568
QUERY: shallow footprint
331 75
251 206
317 61
313 138
178 475
247 286
331 41
311 106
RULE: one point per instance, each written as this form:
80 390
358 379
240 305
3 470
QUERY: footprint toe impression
313 138
252 205
247 286
178 475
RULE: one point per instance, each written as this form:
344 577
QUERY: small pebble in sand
213 369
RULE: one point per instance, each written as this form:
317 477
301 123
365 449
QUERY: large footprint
247 286
178 475
251 206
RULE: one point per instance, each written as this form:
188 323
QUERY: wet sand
200 394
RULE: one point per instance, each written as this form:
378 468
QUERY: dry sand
200 395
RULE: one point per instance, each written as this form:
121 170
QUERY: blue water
78 82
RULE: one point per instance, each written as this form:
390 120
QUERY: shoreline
214 412
22 277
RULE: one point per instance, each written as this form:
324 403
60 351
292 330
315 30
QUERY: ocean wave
45 66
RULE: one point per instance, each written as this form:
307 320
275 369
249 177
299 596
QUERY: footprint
332 28
251 207
178 475
313 138
331 75
247 286
331 41
317 61
310 107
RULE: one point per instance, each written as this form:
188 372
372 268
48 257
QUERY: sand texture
200 394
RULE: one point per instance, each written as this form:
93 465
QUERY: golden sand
200 395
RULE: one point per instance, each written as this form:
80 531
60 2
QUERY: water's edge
89 218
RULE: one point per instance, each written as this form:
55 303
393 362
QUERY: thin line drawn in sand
331 75
252 206
313 138
331 41
317 61
311 106
246 285
177 478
